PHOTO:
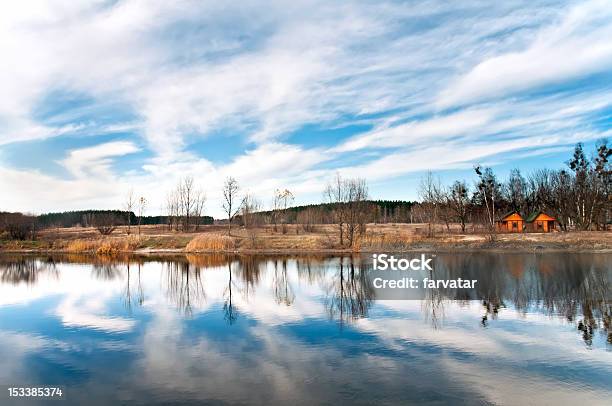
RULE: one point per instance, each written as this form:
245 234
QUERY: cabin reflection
574 286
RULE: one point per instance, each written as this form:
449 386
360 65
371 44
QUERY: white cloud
577 46
93 183
415 132
96 161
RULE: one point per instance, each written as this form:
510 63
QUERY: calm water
296 330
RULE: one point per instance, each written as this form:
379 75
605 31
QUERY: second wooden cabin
540 222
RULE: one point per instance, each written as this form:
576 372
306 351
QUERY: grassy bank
293 239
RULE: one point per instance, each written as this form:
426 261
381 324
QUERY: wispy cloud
96 161
576 46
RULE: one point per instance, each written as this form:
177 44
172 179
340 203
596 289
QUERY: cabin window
515 225
539 224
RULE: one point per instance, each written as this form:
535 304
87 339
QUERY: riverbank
294 239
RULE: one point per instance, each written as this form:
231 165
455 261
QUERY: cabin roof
535 215
510 213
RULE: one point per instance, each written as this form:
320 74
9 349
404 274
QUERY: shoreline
321 240
264 251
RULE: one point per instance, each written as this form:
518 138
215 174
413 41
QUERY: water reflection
348 295
15 269
184 286
573 286
307 330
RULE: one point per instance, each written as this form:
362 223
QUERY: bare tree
129 206
231 205
336 194
356 208
431 194
250 206
349 198
185 205
488 193
172 209
198 207
282 199
251 218
142 205
561 183
459 202
105 223
186 201
309 217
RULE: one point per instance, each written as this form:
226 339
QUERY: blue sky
105 96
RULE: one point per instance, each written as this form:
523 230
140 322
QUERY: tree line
20 226
577 196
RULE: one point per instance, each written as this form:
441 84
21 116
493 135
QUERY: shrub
105 223
21 231
18 226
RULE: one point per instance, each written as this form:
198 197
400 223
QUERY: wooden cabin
539 222
511 223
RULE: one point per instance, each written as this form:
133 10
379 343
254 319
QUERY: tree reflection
26 270
348 293
433 306
141 296
105 269
128 294
283 292
312 269
184 287
229 311
248 271
571 285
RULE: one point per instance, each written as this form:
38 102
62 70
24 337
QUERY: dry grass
382 242
211 242
82 246
108 246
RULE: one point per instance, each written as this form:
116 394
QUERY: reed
111 247
108 246
211 242
132 242
82 245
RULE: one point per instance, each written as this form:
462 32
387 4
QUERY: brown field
323 238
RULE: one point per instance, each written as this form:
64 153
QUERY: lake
214 329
